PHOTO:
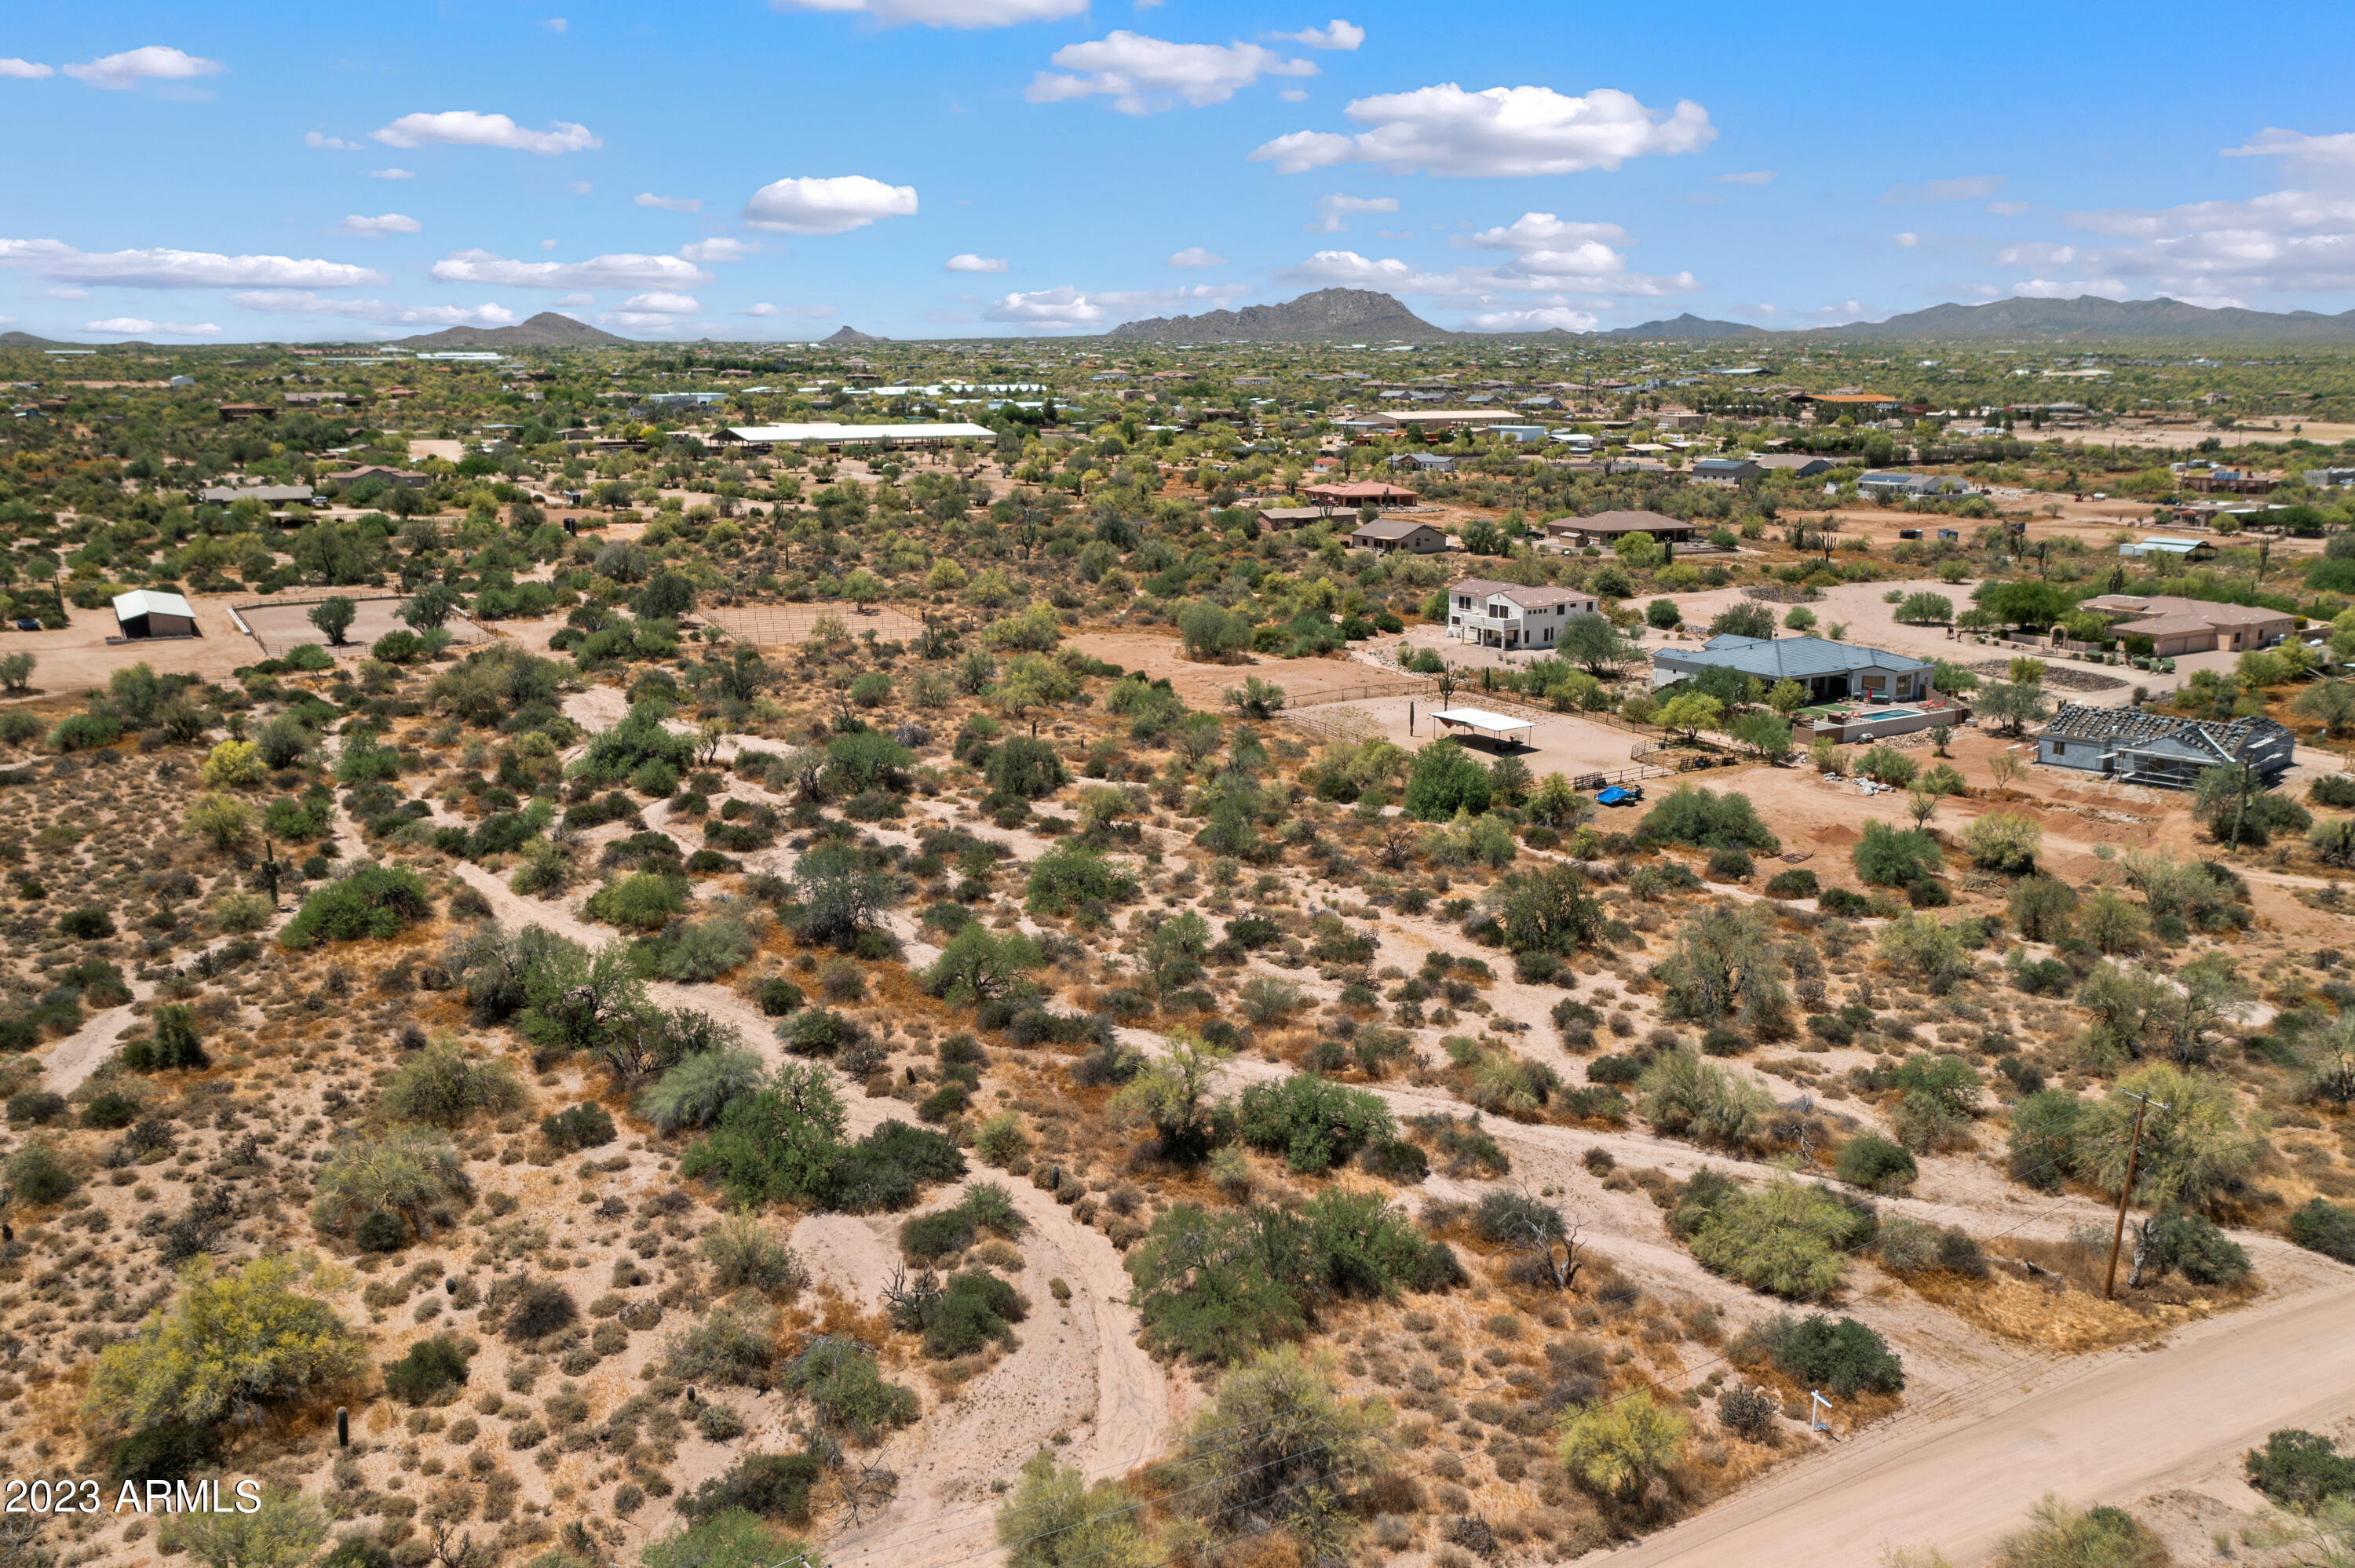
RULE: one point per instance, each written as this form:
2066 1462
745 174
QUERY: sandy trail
1080 1369
68 1063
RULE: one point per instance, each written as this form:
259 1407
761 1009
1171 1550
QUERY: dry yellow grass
2070 1322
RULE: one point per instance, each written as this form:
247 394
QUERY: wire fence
775 624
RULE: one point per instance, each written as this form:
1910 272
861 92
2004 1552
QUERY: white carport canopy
1481 718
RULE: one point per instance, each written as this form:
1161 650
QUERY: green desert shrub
1314 1123
448 1085
1786 1238
2300 1470
2324 1227
848 1394
1876 1164
372 901
430 1367
1845 1358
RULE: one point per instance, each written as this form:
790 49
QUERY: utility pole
2126 1190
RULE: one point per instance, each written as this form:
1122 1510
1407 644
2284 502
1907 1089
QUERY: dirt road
1958 1472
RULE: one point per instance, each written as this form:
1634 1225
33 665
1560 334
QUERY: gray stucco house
2136 746
1831 671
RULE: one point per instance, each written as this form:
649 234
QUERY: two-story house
1507 615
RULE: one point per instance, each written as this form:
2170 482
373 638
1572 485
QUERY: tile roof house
1507 615
1610 527
400 476
1831 671
2177 625
1389 534
2135 745
1358 492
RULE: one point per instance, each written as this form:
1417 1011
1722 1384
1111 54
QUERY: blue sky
978 168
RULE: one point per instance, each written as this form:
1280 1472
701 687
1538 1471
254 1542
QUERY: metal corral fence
1341 724
775 624
1400 687
277 624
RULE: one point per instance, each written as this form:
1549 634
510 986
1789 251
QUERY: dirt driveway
1161 656
1557 743
1871 621
1957 1472
76 657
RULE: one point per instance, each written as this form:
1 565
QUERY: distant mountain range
1330 314
1365 315
1323 316
1687 326
546 329
2087 318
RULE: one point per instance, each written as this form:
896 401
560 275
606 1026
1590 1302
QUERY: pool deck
1847 722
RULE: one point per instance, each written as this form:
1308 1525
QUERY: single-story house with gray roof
1385 534
1831 671
2138 747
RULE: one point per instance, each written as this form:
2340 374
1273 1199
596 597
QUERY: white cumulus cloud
670 203
331 144
719 248
2330 155
1146 76
119 73
1542 319
1194 257
393 174
2283 241
660 303
25 71
1048 310
763 309
833 205
969 263
384 313
1332 210
618 270
944 13
379 227
1066 309
1970 187
1502 131
2055 289
164 268
139 327
1905 241
1550 253
1334 34
1552 264
1751 177
574 300
467 128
